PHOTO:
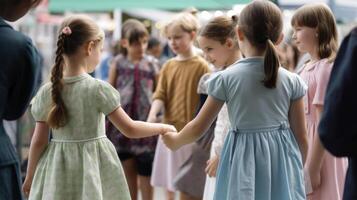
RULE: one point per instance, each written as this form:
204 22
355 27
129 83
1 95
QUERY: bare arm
298 125
318 151
317 155
194 129
136 129
112 79
39 143
156 107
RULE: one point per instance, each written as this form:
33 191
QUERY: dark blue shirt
19 72
338 125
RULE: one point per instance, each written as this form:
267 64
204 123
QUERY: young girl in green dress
79 162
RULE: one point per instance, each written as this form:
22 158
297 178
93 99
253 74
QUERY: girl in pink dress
315 33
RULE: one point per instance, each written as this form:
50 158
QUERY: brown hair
133 30
319 16
9 5
220 29
186 21
83 30
261 23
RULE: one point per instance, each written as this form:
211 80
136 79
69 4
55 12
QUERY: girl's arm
156 107
39 143
112 78
298 126
194 129
317 155
220 132
137 129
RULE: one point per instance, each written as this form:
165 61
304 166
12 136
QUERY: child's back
250 104
261 157
80 162
260 151
86 100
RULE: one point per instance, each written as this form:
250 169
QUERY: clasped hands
170 138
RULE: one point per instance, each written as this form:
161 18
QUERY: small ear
281 37
240 34
229 43
90 48
193 35
124 43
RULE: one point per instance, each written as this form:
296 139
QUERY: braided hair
58 114
74 32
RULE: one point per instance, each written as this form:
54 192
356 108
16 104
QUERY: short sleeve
202 84
41 103
161 88
216 87
108 98
322 77
299 88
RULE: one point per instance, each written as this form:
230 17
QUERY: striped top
177 88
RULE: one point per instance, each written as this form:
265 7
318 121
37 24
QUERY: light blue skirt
260 164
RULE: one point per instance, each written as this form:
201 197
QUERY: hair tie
66 30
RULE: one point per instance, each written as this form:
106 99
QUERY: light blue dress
260 158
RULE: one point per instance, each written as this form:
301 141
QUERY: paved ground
159 194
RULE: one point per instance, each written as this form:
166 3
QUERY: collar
311 67
3 23
72 79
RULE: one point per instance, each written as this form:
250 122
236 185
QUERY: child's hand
212 165
167 128
26 186
170 140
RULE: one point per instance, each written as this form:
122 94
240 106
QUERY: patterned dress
80 162
136 83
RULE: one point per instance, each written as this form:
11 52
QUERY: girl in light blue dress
264 151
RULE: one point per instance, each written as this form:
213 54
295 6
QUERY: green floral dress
79 162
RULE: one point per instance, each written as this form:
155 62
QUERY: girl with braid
79 162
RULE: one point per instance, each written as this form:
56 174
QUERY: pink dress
333 170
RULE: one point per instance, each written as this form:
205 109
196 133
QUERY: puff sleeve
216 87
299 87
108 98
41 103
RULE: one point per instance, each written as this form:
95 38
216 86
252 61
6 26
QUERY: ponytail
271 65
57 116
261 23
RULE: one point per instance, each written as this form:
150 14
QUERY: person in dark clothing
19 72
338 125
